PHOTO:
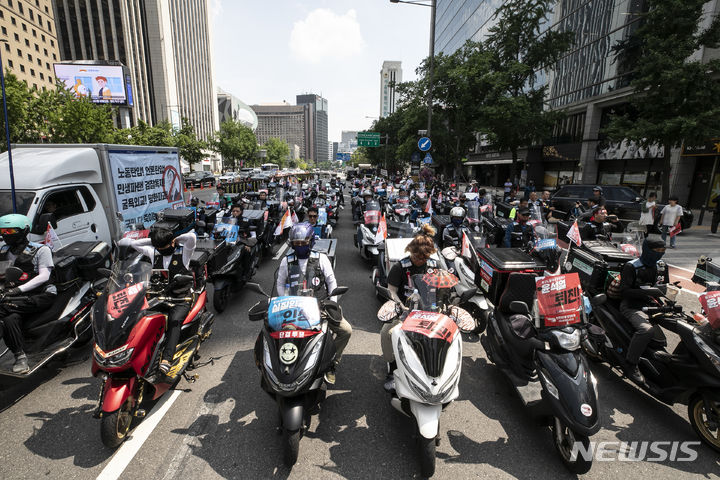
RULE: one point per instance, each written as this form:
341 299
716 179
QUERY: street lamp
432 5
7 130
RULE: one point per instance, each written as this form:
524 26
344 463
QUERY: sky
268 51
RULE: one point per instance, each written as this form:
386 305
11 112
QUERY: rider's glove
13 292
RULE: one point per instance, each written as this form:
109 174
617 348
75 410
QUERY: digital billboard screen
102 83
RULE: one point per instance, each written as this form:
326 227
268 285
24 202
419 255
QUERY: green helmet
14 220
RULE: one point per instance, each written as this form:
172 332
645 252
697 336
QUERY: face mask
457 222
166 251
650 257
303 251
15 240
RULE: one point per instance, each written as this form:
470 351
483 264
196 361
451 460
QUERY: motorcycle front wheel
564 440
115 426
291 447
426 450
700 418
220 299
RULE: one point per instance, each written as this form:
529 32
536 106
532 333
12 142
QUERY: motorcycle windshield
120 307
372 217
431 334
292 312
631 240
473 212
228 229
544 238
426 293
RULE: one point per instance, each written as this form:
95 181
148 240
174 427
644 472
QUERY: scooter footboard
117 391
291 411
427 417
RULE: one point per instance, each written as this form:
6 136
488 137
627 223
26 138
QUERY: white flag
51 239
574 234
465 252
285 222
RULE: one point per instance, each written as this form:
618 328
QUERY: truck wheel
220 299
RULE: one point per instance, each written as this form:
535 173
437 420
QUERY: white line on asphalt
129 449
280 252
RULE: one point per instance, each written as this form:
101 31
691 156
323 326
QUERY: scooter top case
326 246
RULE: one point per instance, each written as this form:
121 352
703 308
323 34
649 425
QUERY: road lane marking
280 252
129 449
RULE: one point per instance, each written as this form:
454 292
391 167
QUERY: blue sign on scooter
424 144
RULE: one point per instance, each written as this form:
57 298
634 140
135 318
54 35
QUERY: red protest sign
559 299
710 302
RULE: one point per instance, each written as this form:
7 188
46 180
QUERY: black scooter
293 352
689 375
547 368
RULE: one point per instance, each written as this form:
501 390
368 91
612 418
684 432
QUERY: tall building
32 44
317 126
232 108
390 76
590 83
348 141
287 122
166 44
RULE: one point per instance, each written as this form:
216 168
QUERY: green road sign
368 139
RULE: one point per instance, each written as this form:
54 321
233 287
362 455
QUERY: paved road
222 426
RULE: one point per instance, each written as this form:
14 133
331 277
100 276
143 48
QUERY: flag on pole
381 231
51 239
285 222
439 197
428 207
465 252
574 234
294 217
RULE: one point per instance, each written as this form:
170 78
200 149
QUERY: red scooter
129 327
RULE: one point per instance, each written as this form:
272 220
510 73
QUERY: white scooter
428 352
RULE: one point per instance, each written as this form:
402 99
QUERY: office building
164 43
589 83
348 141
32 45
390 76
287 122
232 108
317 126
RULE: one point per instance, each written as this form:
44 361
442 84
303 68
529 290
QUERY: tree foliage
278 151
235 142
675 94
190 148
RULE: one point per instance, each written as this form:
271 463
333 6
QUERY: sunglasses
300 243
312 216
9 231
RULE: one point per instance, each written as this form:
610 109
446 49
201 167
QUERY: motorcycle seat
658 340
34 321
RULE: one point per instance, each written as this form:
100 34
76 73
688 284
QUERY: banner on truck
145 183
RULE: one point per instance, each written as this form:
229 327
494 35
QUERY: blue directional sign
424 144
428 158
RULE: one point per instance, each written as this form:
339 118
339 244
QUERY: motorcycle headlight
567 341
114 358
711 354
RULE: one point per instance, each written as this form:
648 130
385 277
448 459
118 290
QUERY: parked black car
199 178
619 200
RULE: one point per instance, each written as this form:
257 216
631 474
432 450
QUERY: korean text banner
145 183
559 299
102 83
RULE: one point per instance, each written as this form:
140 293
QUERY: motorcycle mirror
519 307
383 291
339 291
255 287
467 295
258 311
598 300
13 274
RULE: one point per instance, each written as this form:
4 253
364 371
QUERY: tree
278 151
235 142
191 149
160 135
675 95
512 114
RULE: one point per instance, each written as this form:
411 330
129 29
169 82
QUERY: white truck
90 192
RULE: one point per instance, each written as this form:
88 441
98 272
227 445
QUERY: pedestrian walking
716 215
647 213
670 219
